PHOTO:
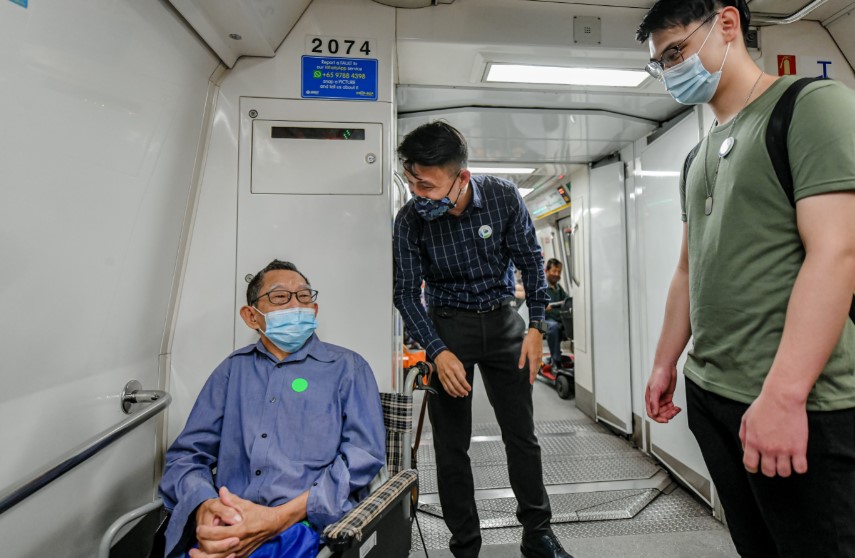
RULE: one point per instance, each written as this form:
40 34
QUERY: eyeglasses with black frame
279 297
673 55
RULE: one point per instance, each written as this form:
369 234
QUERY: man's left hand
532 349
774 436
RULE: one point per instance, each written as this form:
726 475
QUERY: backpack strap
777 131
688 163
776 144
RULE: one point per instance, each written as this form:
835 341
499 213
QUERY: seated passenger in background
292 425
557 295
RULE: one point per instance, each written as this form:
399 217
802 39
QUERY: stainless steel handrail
63 464
786 20
401 185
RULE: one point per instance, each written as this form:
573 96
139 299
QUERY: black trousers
492 341
796 517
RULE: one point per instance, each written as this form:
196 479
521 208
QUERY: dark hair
666 14
255 283
435 144
552 262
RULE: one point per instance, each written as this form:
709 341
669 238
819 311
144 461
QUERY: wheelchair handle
418 377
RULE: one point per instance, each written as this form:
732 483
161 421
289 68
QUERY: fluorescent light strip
525 191
561 75
657 174
501 170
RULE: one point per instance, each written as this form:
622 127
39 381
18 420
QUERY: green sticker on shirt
299 385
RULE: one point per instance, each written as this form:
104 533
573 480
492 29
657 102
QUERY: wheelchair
380 525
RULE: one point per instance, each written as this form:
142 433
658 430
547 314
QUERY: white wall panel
342 243
101 105
319 244
809 42
841 31
201 340
315 166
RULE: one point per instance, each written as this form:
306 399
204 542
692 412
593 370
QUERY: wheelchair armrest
364 517
119 524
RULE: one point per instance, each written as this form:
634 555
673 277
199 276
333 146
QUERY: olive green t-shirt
744 257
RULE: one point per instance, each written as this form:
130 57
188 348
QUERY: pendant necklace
723 150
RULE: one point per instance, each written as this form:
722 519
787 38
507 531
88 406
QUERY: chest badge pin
485 232
300 385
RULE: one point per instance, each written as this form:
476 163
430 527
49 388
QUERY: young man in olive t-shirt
764 288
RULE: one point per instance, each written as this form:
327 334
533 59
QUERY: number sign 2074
340 46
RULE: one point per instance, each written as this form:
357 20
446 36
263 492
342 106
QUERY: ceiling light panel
501 170
562 75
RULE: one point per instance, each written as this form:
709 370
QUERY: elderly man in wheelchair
283 440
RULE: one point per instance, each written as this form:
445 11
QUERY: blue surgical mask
689 82
430 209
290 328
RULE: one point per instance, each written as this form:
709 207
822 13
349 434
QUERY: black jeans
492 341
799 516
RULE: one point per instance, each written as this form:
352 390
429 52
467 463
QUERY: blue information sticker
353 79
23 3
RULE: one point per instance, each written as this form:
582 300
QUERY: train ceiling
445 51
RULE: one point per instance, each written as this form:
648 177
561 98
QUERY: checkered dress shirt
467 261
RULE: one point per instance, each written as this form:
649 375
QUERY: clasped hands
231 527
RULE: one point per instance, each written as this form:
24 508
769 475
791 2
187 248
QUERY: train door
609 295
582 352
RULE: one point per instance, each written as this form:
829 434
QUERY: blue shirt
271 440
465 261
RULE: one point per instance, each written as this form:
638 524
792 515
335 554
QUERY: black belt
492 308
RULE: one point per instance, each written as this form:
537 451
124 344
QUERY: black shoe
545 545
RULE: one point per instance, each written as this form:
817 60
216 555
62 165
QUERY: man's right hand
660 394
215 513
451 374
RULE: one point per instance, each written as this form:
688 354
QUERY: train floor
608 499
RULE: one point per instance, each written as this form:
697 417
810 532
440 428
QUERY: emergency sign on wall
810 67
786 65
327 77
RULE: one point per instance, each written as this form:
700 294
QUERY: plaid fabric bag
397 418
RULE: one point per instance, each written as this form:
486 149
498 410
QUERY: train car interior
155 155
